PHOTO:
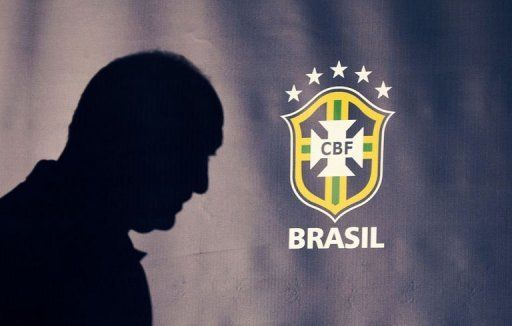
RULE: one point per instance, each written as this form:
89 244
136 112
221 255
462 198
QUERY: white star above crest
338 70
314 77
363 75
383 90
293 93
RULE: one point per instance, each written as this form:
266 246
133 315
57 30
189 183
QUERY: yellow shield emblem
336 151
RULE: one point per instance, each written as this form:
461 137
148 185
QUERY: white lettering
349 234
353 237
334 237
296 238
364 237
315 237
374 243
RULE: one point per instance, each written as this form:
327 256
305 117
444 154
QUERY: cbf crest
337 145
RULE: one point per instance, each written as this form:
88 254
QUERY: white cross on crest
336 148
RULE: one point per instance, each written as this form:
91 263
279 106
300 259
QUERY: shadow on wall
137 149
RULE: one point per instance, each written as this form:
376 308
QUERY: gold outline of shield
335 202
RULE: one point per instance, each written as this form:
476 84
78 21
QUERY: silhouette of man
137 149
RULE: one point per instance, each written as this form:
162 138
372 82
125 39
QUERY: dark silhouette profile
137 149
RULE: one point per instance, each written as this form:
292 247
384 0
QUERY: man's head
142 134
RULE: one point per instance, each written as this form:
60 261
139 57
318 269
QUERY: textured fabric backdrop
444 205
